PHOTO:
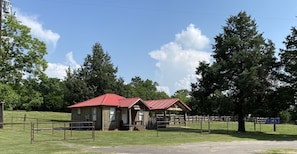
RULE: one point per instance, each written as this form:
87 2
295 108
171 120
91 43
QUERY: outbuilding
114 112
111 111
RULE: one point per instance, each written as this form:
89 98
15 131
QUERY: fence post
227 124
93 131
52 128
24 122
64 131
37 124
11 122
208 124
70 125
201 124
255 122
32 132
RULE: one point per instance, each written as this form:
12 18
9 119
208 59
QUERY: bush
285 116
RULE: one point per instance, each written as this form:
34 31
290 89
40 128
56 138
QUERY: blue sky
160 40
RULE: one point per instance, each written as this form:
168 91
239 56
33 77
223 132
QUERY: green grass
16 138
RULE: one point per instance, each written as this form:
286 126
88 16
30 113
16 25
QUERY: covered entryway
167 110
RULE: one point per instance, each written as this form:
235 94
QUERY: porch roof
165 104
129 102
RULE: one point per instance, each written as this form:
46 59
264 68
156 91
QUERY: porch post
185 118
103 118
130 120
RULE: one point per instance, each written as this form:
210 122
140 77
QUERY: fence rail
68 130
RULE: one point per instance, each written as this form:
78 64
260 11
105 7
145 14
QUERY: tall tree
20 54
98 71
289 60
75 88
243 65
289 65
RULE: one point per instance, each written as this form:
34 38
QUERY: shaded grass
16 139
279 151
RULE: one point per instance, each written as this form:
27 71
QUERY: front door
125 115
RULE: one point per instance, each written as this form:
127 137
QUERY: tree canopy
241 71
21 54
145 89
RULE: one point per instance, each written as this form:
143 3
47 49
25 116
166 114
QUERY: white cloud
57 70
37 29
192 38
177 60
70 60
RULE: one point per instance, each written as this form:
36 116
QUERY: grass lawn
16 138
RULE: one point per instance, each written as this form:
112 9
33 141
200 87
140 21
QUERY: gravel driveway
240 147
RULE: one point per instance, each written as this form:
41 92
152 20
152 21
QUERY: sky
159 40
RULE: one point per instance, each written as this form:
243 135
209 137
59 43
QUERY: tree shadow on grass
256 135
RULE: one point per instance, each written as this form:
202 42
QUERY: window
112 113
78 111
94 114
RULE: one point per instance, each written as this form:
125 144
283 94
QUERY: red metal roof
120 101
129 102
163 104
106 99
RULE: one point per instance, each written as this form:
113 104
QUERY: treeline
25 86
95 77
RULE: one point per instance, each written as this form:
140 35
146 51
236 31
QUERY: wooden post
274 124
11 121
1 103
201 128
130 120
185 118
227 118
255 122
64 131
70 126
24 122
32 132
53 128
208 124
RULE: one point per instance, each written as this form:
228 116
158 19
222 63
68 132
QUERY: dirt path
242 147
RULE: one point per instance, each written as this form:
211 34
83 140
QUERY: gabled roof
129 102
103 100
108 100
164 104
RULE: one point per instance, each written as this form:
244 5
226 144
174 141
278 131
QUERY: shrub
285 116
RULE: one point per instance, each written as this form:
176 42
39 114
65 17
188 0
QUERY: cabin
112 112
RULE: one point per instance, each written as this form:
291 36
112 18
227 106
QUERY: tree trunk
241 121
274 124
